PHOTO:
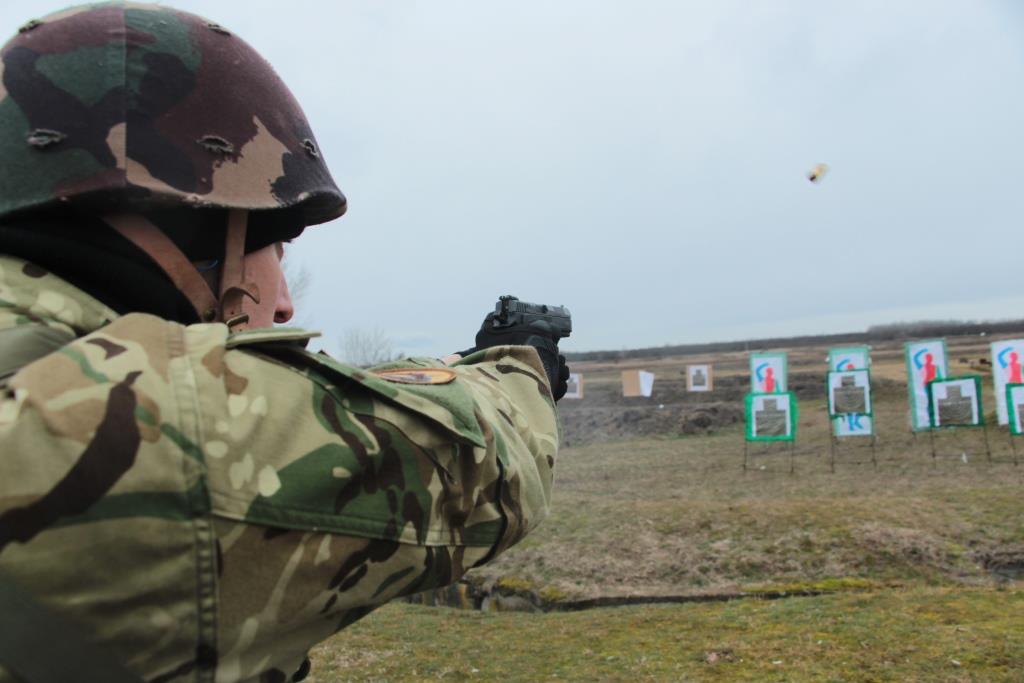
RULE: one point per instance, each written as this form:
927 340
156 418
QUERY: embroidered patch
417 375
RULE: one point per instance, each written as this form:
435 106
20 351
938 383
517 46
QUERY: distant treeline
901 330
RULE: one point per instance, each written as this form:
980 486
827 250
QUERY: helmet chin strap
233 285
228 307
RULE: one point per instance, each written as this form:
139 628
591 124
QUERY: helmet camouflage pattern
125 105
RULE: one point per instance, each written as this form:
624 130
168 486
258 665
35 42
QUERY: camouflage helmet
126 106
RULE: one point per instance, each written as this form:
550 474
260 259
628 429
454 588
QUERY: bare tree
364 348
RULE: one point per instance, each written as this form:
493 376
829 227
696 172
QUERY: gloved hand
527 335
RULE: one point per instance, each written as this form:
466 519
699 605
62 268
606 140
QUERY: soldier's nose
284 309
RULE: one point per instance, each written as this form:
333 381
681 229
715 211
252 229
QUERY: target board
956 402
849 358
768 373
1007 368
1015 408
849 392
637 383
845 358
926 362
771 417
574 387
699 377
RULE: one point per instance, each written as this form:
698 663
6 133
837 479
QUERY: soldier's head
139 133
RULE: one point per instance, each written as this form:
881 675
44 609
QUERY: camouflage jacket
209 505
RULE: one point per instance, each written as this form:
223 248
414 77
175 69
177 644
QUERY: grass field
680 515
921 556
932 635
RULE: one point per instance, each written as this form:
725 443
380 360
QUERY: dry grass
680 515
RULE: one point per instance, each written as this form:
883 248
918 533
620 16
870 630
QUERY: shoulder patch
417 375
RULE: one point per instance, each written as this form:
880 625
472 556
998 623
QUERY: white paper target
698 378
852 379
926 361
853 425
646 383
768 373
575 386
1007 368
955 402
848 358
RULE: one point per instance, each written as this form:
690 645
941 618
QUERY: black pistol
554 322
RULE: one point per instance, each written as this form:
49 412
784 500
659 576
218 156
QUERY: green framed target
771 417
849 392
956 402
1015 408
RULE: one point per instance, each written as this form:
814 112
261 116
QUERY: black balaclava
86 252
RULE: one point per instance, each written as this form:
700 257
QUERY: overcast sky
643 163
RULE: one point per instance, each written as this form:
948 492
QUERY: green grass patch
919 634
831 585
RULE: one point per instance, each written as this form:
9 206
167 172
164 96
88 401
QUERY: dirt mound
1004 562
605 414
609 423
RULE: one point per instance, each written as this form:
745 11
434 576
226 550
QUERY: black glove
559 388
525 335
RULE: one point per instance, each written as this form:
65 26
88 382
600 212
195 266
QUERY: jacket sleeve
463 457
515 415
239 496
